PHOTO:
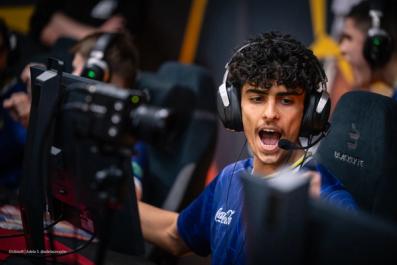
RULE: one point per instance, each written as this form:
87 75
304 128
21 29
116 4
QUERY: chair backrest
176 174
361 150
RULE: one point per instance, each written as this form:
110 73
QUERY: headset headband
317 66
314 121
102 45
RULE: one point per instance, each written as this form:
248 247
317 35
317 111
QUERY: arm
19 106
179 234
43 11
160 228
19 103
315 184
61 25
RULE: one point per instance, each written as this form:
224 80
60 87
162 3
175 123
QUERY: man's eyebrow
257 90
266 91
290 93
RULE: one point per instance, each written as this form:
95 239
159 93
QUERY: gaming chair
361 150
177 170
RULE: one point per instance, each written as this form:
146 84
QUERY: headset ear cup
93 71
230 115
97 70
378 49
322 118
313 123
306 125
220 105
96 66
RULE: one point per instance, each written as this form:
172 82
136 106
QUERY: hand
315 184
19 106
25 76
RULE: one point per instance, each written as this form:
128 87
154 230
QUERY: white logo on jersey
224 217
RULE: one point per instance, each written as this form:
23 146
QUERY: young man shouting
273 79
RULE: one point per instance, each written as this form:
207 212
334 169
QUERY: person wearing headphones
274 91
369 44
107 57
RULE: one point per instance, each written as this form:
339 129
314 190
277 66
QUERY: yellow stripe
317 8
17 18
299 161
293 166
192 32
324 46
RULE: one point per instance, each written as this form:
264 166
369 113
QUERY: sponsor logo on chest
224 217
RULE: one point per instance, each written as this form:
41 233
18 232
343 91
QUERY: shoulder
236 167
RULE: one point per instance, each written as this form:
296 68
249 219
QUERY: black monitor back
334 236
285 227
68 165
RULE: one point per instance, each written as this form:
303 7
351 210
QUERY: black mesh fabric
191 90
361 150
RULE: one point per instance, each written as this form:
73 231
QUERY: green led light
376 41
91 74
135 99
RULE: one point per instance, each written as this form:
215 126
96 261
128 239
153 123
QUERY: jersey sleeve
194 222
333 191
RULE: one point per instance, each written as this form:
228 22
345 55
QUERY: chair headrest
190 90
361 148
197 78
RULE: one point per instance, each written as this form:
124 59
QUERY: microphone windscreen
285 144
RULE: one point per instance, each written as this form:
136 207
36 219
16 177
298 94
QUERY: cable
23 234
12 235
228 189
309 141
234 167
54 223
82 246
50 236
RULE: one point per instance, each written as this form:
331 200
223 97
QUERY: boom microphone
288 145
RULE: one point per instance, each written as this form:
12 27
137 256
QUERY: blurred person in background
120 67
371 49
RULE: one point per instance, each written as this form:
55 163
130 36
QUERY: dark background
226 25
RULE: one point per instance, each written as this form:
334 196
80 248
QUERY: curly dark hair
276 58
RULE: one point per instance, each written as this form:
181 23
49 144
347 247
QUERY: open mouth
269 138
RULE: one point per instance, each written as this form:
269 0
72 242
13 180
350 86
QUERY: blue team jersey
212 224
